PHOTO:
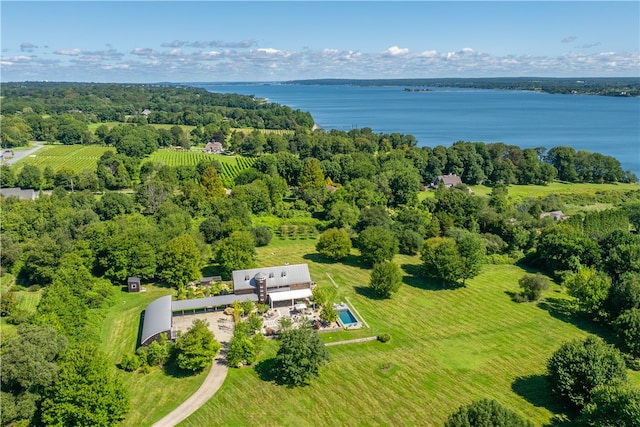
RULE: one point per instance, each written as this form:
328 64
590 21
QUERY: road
21 154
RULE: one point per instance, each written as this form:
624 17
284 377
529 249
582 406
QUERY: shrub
130 362
485 412
262 235
532 286
384 337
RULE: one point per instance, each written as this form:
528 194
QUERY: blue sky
152 41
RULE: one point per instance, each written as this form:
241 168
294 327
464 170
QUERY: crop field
448 347
231 165
76 157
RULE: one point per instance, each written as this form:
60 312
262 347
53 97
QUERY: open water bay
608 125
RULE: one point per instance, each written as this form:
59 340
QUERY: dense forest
166 104
79 248
607 86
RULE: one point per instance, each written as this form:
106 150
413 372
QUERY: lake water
608 125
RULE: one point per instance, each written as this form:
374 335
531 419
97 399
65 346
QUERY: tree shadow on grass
172 369
414 278
350 260
536 390
567 311
367 292
266 369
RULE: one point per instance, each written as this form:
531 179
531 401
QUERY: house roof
556 215
280 276
449 180
157 318
28 194
215 301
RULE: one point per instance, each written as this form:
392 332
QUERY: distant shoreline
624 87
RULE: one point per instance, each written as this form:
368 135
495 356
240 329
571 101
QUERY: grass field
76 157
523 191
517 192
448 346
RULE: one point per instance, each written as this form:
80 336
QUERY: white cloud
268 50
429 54
243 44
69 52
175 43
395 50
143 51
173 52
569 39
268 63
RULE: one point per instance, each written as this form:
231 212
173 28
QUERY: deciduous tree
386 278
578 367
181 261
197 347
235 252
377 244
300 356
87 391
334 243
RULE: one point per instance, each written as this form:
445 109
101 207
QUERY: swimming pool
346 318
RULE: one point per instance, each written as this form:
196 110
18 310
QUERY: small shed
133 284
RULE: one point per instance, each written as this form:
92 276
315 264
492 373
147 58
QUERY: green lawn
523 191
154 394
448 346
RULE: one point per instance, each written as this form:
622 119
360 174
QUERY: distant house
278 286
146 112
214 147
448 181
556 215
21 194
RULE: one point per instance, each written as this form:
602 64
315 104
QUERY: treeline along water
608 125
